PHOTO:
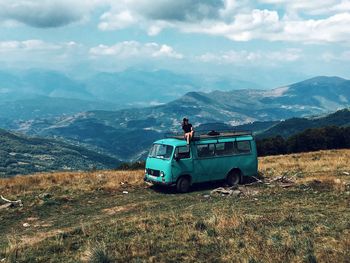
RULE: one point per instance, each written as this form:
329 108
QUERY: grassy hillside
70 217
21 154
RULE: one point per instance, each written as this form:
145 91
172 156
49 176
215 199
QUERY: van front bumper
156 180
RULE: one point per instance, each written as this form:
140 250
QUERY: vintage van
209 157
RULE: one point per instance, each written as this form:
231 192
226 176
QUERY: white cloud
267 25
236 20
37 53
120 20
331 56
332 29
276 20
167 51
256 25
130 49
311 7
288 55
249 57
31 45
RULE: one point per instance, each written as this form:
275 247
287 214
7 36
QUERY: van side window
220 149
183 152
224 148
243 147
205 150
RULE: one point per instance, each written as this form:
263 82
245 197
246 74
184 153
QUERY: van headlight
162 174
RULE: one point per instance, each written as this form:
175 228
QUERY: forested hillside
330 137
20 154
286 128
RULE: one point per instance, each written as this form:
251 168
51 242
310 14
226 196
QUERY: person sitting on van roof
188 130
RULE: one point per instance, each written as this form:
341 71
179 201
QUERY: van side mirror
176 157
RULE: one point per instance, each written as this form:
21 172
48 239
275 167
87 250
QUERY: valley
126 134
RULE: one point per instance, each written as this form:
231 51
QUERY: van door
183 164
205 164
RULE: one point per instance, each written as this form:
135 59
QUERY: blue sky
276 41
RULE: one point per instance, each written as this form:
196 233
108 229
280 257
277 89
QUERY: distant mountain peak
322 80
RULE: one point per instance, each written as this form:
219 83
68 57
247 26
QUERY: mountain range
45 107
127 134
293 126
26 95
21 154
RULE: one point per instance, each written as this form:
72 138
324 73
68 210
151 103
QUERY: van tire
183 184
233 178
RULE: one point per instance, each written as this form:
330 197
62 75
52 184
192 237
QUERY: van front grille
153 172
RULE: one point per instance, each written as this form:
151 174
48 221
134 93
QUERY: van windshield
161 151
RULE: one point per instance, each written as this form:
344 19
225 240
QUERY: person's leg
192 134
188 137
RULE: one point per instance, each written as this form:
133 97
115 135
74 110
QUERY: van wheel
183 185
233 178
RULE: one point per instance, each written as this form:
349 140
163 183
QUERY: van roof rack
210 134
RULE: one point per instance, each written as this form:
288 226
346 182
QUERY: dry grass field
113 216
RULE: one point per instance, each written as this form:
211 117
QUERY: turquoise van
210 157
